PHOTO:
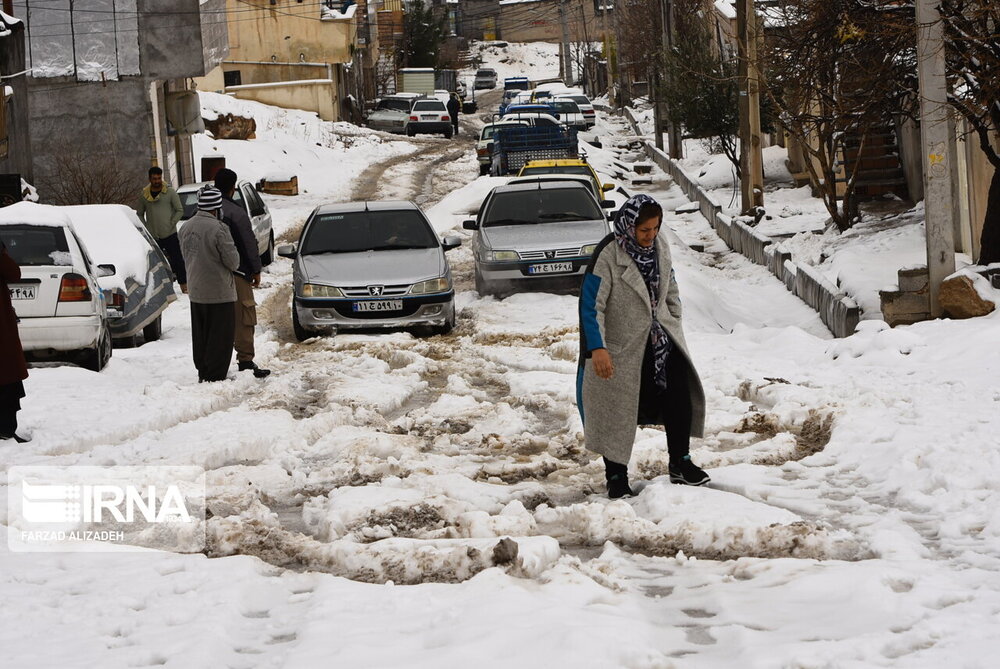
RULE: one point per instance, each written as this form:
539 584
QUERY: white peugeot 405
60 307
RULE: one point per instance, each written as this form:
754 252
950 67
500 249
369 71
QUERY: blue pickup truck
515 146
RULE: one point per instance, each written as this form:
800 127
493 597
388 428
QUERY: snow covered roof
726 8
34 214
111 235
329 14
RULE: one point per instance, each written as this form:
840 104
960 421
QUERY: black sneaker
618 486
15 438
258 372
686 472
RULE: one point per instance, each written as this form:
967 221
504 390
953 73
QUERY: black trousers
10 404
213 327
171 247
669 407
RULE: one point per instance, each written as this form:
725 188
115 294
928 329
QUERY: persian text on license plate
19 292
430 117
379 305
551 268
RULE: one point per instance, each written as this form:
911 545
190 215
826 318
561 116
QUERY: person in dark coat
634 366
454 106
210 257
246 276
13 368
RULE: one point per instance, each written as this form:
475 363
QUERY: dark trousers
171 247
10 404
454 122
212 329
670 406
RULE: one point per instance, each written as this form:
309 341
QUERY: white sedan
61 310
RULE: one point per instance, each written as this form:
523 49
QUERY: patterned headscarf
645 259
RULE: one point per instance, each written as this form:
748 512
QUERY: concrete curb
838 311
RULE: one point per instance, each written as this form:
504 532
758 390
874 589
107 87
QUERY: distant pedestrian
629 305
160 209
13 369
454 106
211 258
246 276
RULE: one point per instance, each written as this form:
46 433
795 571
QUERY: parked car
141 286
585 105
486 77
529 232
429 116
484 147
58 300
591 185
574 166
516 84
569 112
247 197
530 109
392 112
370 265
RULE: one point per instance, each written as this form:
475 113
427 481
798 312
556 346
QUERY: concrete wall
319 95
287 31
172 47
18 159
267 73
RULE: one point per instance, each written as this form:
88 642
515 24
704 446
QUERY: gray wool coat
210 257
615 314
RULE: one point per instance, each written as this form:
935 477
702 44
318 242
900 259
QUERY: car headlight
588 250
439 285
317 290
506 255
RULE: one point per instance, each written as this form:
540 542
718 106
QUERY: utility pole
566 60
619 76
751 151
675 143
938 153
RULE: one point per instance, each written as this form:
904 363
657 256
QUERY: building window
232 78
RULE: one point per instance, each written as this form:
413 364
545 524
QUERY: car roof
533 178
354 207
31 213
541 184
402 96
187 188
531 114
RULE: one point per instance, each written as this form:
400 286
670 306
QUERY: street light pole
936 142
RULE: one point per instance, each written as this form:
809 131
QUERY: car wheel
126 342
153 331
482 287
267 257
301 333
484 169
449 323
97 358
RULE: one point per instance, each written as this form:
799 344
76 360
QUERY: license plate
378 305
551 268
19 292
432 117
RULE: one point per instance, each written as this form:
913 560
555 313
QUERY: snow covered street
389 500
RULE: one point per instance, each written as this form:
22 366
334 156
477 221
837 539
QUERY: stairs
880 171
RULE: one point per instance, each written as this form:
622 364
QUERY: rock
231 126
960 299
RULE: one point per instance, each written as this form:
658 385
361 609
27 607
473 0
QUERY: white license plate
21 292
551 268
378 305
432 117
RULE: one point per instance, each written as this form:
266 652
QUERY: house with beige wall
298 55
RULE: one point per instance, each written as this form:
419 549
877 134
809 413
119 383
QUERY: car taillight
588 113
482 152
414 118
445 118
74 288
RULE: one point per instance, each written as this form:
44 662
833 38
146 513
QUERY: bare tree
86 178
835 73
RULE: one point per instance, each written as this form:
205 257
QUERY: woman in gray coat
634 365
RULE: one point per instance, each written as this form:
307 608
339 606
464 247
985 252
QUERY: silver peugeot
361 265
535 231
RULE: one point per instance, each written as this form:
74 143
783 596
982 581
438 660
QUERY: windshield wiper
508 221
562 217
392 247
322 251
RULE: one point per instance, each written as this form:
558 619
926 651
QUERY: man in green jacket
160 209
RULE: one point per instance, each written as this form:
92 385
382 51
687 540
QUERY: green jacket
160 214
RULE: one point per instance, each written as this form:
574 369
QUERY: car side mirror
470 225
106 270
607 204
451 242
607 187
287 250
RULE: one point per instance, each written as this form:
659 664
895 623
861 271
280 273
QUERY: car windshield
558 169
565 106
36 244
189 200
429 105
490 130
527 207
393 105
368 231
580 99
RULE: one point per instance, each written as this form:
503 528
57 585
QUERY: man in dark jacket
454 106
246 276
211 258
13 369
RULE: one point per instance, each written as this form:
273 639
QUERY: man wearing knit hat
211 258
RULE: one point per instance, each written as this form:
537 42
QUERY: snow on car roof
34 214
112 237
544 184
345 207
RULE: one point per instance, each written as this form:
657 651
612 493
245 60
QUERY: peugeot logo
550 255
375 291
